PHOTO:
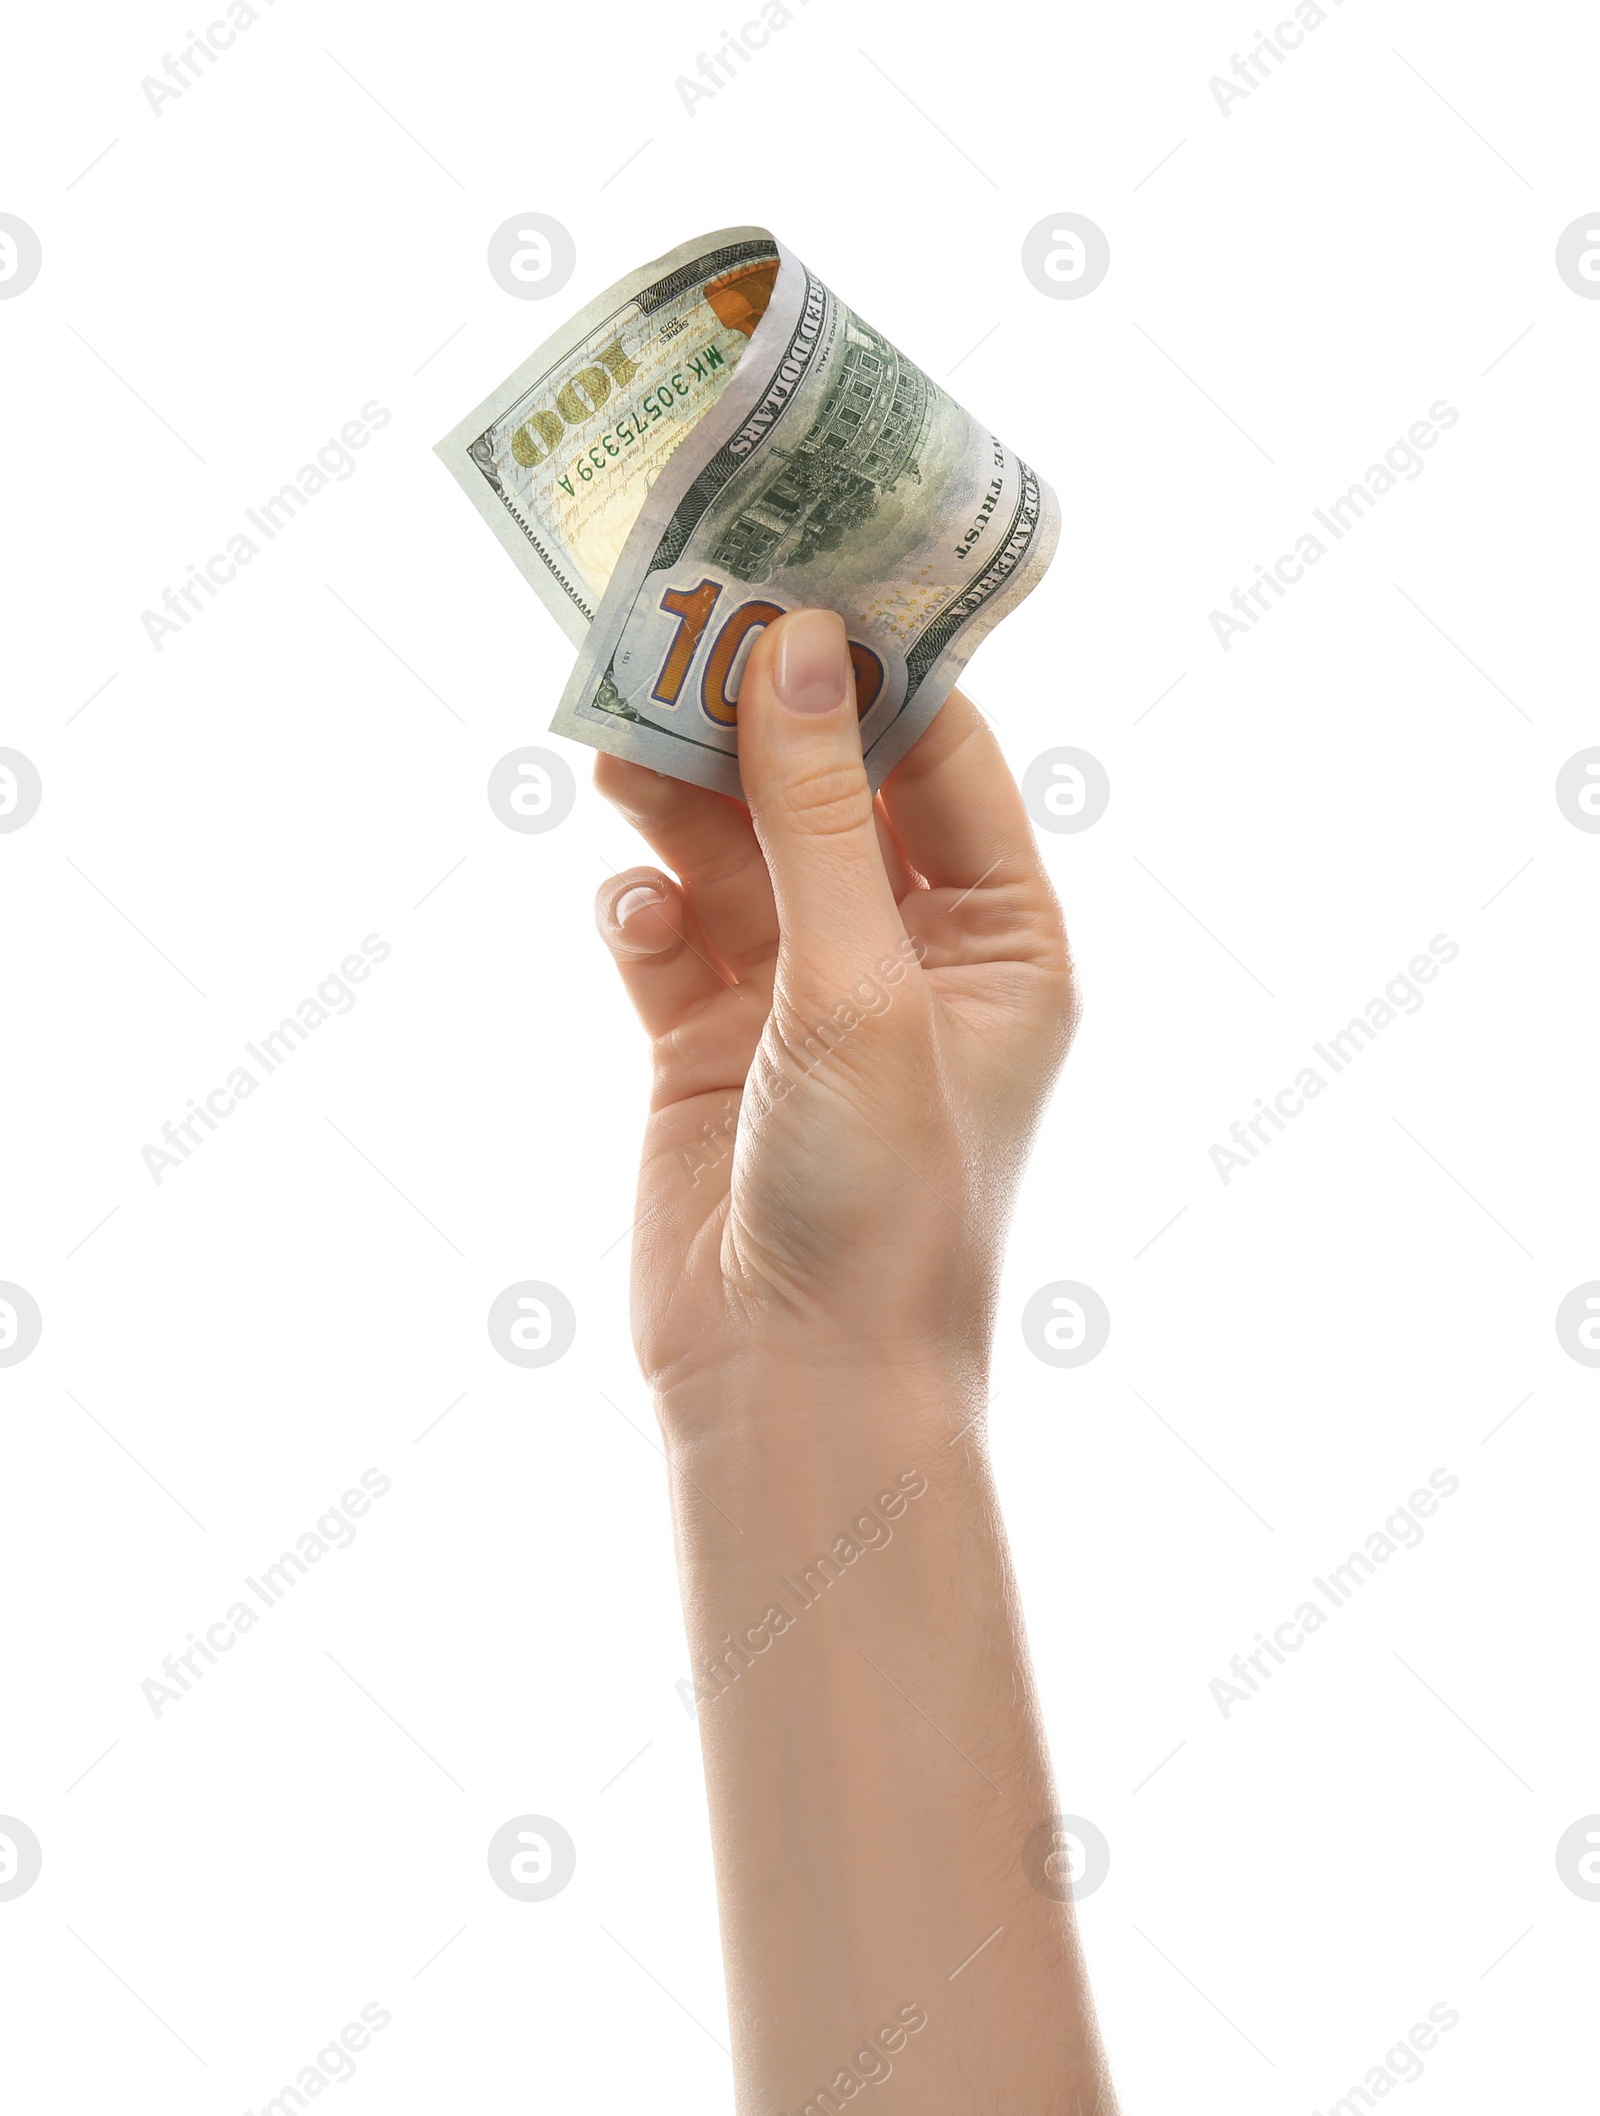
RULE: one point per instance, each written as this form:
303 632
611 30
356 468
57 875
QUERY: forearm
873 1754
838 1120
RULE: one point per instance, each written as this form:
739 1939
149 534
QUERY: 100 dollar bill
715 440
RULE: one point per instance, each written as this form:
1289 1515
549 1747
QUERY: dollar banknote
717 439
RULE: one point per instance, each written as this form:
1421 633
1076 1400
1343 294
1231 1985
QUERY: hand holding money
855 1010
719 439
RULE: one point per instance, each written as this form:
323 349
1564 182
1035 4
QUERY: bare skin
857 1010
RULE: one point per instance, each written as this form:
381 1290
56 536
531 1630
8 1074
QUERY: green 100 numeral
692 607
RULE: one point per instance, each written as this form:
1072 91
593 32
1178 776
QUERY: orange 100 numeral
692 607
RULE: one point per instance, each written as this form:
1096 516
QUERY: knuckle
829 800
1039 909
838 1035
1062 996
1046 947
1051 932
728 863
1067 1004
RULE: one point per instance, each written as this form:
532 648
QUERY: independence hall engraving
863 443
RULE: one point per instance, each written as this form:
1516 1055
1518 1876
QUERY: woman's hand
856 1010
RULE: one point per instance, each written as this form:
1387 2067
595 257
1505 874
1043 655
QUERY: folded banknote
717 439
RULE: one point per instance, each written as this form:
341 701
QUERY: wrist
813 1400
776 1456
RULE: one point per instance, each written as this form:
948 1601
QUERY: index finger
957 810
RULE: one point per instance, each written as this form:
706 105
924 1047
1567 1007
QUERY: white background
1371 1299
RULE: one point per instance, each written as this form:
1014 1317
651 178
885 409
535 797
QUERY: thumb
801 764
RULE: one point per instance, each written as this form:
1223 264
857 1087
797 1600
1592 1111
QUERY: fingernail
634 900
812 665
